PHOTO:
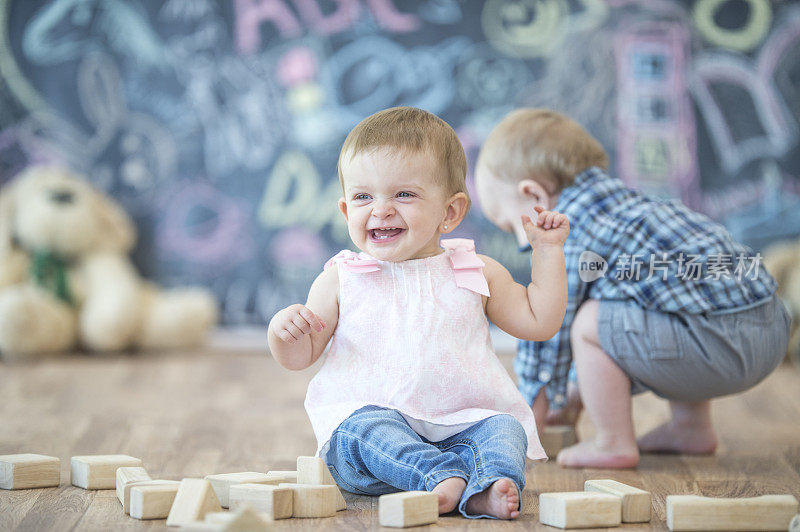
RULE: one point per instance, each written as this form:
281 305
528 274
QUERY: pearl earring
445 227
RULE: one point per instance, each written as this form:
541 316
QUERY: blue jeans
374 451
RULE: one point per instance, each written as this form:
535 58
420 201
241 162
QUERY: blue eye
405 195
361 196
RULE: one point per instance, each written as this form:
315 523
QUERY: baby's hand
550 227
291 323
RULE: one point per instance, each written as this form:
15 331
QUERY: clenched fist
550 227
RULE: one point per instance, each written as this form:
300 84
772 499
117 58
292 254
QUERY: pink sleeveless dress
413 336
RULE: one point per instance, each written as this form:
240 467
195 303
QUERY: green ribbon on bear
49 271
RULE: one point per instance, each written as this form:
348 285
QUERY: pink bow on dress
467 266
354 262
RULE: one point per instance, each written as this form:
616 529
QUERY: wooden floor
224 410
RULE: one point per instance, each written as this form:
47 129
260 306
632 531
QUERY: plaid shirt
659 254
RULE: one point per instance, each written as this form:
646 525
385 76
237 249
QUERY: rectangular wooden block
286 476
636 502
312 470
580 509
25 471
152 499
313 501
693 512
195 498
408 508
99 472
222 482
275 501
126 476
556 437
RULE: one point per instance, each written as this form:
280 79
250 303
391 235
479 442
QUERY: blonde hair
540 143
412 129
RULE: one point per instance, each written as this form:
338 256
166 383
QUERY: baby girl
411 395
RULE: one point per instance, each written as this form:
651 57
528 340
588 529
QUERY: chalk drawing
743 39
656 126
203 225
533 28
123 26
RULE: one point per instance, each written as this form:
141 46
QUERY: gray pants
693 357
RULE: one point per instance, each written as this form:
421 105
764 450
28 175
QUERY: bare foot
568 415
449 491
500 500
590 454
672 437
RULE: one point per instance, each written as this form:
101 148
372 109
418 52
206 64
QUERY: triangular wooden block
246 520
194 500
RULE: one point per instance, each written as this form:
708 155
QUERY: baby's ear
457 208
343 208
117 233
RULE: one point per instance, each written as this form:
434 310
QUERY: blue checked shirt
659 254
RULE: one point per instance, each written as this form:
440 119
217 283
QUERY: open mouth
385 234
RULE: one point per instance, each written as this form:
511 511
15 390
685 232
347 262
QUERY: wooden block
693 512
794 526
408 508
312 470
580 509
195 498
286 476
152 499
635 502
556 437
244 519
275 501
25 471
126 476
222 482
99 472
312 501
201 526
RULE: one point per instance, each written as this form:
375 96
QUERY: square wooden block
635 502
126 477
313 501
25 471
580 509
408 508
152 499
222 482
312 470
99 472
556 437
275 501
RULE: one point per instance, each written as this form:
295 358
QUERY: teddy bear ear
117 232
8 199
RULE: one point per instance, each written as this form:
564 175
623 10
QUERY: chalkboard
217 125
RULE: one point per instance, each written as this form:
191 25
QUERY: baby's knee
370 421
584 325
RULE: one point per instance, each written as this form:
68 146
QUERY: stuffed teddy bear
782 261
66 281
